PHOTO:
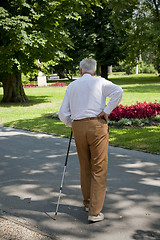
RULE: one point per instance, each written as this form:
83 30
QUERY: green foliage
129 68
60 33
93 35
157 118
146 68
124 66
25 79
134 121
102 38
124 122
30 76
34 30
140 23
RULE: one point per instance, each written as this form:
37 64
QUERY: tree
140 21
77 35
31 30
106 43
93 35
152 7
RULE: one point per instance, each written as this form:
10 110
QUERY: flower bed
57 84
135 122
138 111
139 115
30 85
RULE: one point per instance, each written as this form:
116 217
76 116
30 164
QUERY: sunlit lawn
45 101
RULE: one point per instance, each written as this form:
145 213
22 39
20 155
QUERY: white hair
88 65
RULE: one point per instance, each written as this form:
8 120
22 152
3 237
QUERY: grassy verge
45 101
143 139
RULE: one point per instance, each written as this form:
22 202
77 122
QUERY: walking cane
65 165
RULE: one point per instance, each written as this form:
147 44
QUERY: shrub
157 118
137 121
143 67
146 68
139 110
145 120
134 121
124 122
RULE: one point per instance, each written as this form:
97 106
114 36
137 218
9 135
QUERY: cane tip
55 217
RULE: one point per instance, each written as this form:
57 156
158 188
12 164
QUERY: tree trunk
13 89
104 71
61 73
110 70
98 69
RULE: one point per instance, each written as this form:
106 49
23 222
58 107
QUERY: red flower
30 85
57 84
139 110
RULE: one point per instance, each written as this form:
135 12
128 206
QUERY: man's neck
86 73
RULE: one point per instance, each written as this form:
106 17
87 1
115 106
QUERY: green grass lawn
45 101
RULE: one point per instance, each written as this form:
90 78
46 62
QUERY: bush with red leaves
139 110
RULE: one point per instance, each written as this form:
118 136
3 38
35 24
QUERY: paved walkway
31 166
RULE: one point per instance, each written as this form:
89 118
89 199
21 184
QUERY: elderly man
84 109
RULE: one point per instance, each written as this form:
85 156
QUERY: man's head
88 66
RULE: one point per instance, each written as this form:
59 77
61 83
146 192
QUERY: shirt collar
87 74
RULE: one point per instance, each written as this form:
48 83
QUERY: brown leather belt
89 118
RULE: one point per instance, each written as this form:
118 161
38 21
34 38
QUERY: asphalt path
31 167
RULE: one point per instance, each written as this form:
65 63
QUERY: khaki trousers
91 138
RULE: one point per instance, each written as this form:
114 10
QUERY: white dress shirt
86 97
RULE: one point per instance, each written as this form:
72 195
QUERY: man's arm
64 112
115 93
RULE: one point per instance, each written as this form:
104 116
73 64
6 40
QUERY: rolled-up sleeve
64 112
115 93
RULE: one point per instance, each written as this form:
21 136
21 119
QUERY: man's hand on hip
104 115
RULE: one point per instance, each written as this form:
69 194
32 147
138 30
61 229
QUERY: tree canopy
140 22
94 35
61 31
31 30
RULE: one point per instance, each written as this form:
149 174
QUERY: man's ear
94 73
81 71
